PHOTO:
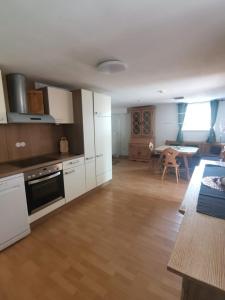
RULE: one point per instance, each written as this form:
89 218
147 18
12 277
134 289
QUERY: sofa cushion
208 157
215 150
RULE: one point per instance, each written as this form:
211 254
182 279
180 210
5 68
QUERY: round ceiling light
111 66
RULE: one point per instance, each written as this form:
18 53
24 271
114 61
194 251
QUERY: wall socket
20 144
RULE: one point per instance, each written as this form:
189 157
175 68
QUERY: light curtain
214 110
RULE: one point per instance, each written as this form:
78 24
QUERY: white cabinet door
60 105
90 174
89 138
88 124
13 207
102 105
3 118
103 148
74 182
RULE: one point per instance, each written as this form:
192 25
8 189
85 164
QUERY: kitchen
35 178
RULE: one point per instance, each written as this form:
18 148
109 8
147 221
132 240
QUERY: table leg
186 167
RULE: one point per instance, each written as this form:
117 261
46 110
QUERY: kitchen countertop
8 169
199 253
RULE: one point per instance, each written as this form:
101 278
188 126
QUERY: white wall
165 123
166 127
120 132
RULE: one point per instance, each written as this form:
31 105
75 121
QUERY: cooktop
32 161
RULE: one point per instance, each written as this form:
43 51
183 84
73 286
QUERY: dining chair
154 158
169 156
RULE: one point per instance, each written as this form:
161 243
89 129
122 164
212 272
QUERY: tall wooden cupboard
142 132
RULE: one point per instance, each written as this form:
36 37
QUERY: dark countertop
8 169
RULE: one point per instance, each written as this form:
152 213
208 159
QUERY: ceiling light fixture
111 66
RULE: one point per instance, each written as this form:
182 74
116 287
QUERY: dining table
183 151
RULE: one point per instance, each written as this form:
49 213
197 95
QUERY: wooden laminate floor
113 244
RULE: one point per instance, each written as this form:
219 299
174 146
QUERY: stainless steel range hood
16 84
27 118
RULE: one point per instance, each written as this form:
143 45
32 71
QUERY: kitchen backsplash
18 141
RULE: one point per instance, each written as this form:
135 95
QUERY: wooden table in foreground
184 151
199 253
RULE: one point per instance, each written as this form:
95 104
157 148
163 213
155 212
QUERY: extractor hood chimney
17 94
16 84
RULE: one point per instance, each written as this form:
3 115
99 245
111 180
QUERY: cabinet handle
88 158
99 155
74 162
70 172
44 179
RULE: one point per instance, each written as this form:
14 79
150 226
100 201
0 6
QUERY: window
197 117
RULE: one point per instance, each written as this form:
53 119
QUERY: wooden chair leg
164 172
176 169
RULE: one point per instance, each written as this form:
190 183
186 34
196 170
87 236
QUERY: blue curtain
214 110
182 107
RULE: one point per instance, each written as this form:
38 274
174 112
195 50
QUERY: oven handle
43 179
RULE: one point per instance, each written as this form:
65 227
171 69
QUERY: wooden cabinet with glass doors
142 132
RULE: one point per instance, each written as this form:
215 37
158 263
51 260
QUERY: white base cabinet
14 223
74 179
103 148
104 177
90 172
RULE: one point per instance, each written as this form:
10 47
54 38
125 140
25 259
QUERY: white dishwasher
14 223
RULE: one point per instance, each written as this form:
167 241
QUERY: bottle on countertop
64 145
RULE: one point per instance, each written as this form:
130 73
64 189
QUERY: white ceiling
177 46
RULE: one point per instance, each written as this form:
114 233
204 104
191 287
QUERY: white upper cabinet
102 105
3 118
59 104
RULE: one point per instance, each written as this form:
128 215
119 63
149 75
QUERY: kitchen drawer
73 163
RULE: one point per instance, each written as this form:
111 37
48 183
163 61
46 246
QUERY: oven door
44 191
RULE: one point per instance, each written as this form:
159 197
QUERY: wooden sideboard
142 132
198 255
